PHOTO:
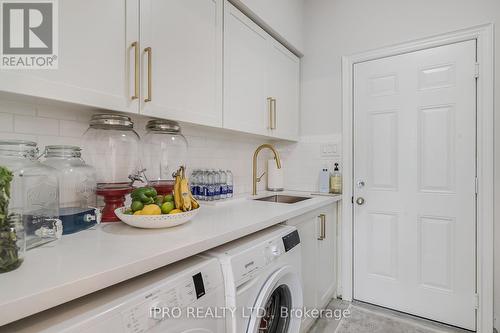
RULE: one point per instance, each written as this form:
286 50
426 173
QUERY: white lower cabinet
318 232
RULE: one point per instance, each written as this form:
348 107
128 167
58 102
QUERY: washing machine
182 297
262 281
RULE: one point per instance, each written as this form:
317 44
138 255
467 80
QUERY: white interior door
414 149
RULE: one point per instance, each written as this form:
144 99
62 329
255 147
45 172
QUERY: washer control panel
165 301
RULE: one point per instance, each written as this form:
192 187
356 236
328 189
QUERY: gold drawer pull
322 227
149 51
135 46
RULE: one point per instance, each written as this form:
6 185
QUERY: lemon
151 210
139 212
175 211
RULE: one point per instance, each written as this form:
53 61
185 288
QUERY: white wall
333 28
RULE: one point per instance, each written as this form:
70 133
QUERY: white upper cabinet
94 57
261 80
283 17
197 61
245 74
284 88
181 60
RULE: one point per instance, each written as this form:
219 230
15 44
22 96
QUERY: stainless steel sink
288 199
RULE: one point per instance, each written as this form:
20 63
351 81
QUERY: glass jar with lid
164 150
29 200
77 186
111 146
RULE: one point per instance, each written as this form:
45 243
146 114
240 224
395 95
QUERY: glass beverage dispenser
77 187
29 202
111 146
164 151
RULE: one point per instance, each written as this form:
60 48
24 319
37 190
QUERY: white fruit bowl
155 221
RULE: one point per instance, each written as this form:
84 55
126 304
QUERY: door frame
484 35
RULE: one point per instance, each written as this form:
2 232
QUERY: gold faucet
276 157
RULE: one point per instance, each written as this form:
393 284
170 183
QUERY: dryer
172 299
262 281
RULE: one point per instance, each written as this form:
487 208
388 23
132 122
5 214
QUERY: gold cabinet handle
270 111
149 51
322 227
273 103
135 46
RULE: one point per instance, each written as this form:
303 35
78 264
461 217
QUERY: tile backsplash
59 123
303 160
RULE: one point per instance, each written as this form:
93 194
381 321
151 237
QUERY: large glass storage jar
111 146
33 197
164 151
77 186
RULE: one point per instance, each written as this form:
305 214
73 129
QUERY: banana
177 192
185 194
183 198
194 203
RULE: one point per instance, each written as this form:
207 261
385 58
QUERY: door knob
360 201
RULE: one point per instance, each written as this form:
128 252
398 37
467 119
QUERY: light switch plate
328 149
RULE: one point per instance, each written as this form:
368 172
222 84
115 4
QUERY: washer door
272 313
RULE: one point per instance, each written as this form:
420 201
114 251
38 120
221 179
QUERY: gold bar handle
135 46
322 227
273 103
270 110
149 51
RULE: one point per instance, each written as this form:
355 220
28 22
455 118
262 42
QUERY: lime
168 198
167 207
128 211
136 205
159 200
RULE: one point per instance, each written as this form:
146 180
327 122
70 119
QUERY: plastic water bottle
216 185
203 189
223 184
199 184
193 180
210 185
229 183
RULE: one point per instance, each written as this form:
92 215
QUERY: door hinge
476 301
476 72
352 200
476 185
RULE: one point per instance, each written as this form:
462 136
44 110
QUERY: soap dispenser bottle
336 180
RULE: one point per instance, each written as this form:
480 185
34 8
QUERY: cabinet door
183 81
326 272
307 234
245 74
96 63
284 70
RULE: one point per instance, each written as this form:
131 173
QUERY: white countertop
91 260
